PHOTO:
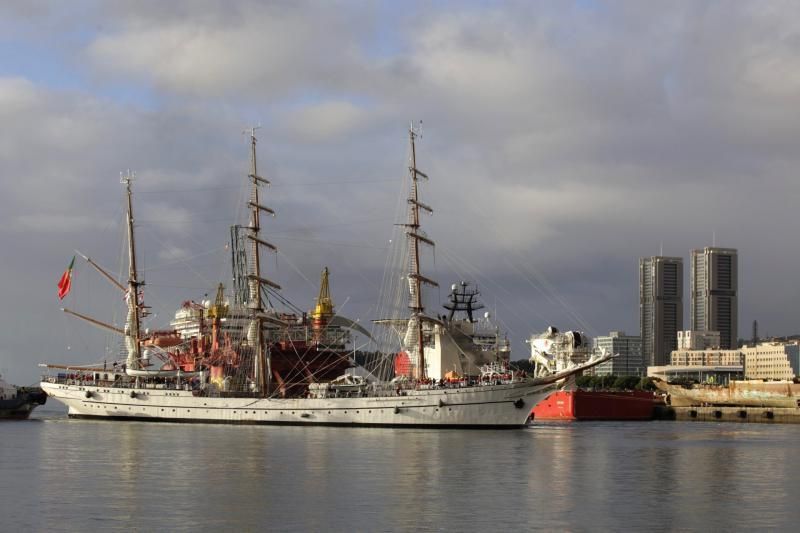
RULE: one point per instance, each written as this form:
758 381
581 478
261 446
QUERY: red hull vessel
586 405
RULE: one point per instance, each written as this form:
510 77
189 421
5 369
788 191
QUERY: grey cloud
559 140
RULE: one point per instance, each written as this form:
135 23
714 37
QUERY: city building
714 283
698 340
718 374
771 360
660 307
767 360
715 357
629 361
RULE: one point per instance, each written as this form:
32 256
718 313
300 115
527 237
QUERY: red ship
596 405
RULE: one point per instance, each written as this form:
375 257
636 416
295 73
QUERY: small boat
18 402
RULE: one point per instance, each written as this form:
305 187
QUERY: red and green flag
65 283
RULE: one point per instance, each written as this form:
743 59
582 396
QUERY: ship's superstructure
460 345
246 361
553 351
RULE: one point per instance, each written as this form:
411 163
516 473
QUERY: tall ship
18 402
246 362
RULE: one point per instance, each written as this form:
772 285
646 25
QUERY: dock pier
765 415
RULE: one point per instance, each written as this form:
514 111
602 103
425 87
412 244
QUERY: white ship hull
492 406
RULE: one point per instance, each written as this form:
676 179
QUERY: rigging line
193 270
185 259
392 292
186 287
292 265
288 303
192 189
297 370
394 289
572 312
165 220
553 298
328 226
284 184
474 273
330 243
239 207
186 235
342 182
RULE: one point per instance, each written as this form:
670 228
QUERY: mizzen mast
255 337
415 236
132 323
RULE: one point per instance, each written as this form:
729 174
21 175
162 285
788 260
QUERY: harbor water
68 475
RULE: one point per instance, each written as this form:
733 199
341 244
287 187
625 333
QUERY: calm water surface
59 474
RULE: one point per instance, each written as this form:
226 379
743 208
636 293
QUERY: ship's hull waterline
495 406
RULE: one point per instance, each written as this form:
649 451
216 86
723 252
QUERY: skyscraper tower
714 302
660 307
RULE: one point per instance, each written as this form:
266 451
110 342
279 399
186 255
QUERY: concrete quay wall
765 415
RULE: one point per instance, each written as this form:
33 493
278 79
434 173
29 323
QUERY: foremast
414 334
255 338
133 321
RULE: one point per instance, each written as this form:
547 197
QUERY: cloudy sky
564 140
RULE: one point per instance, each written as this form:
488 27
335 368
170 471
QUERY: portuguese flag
65 283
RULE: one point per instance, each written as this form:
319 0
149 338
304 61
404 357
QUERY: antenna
714 238
416 132
127 177
661 249
251 131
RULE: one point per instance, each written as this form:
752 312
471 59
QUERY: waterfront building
660 307
628 348
717 374
771 360
714 357
698 340
714 286
767 360
793 353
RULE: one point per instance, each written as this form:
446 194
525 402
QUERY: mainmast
132 324
262 368
415 236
